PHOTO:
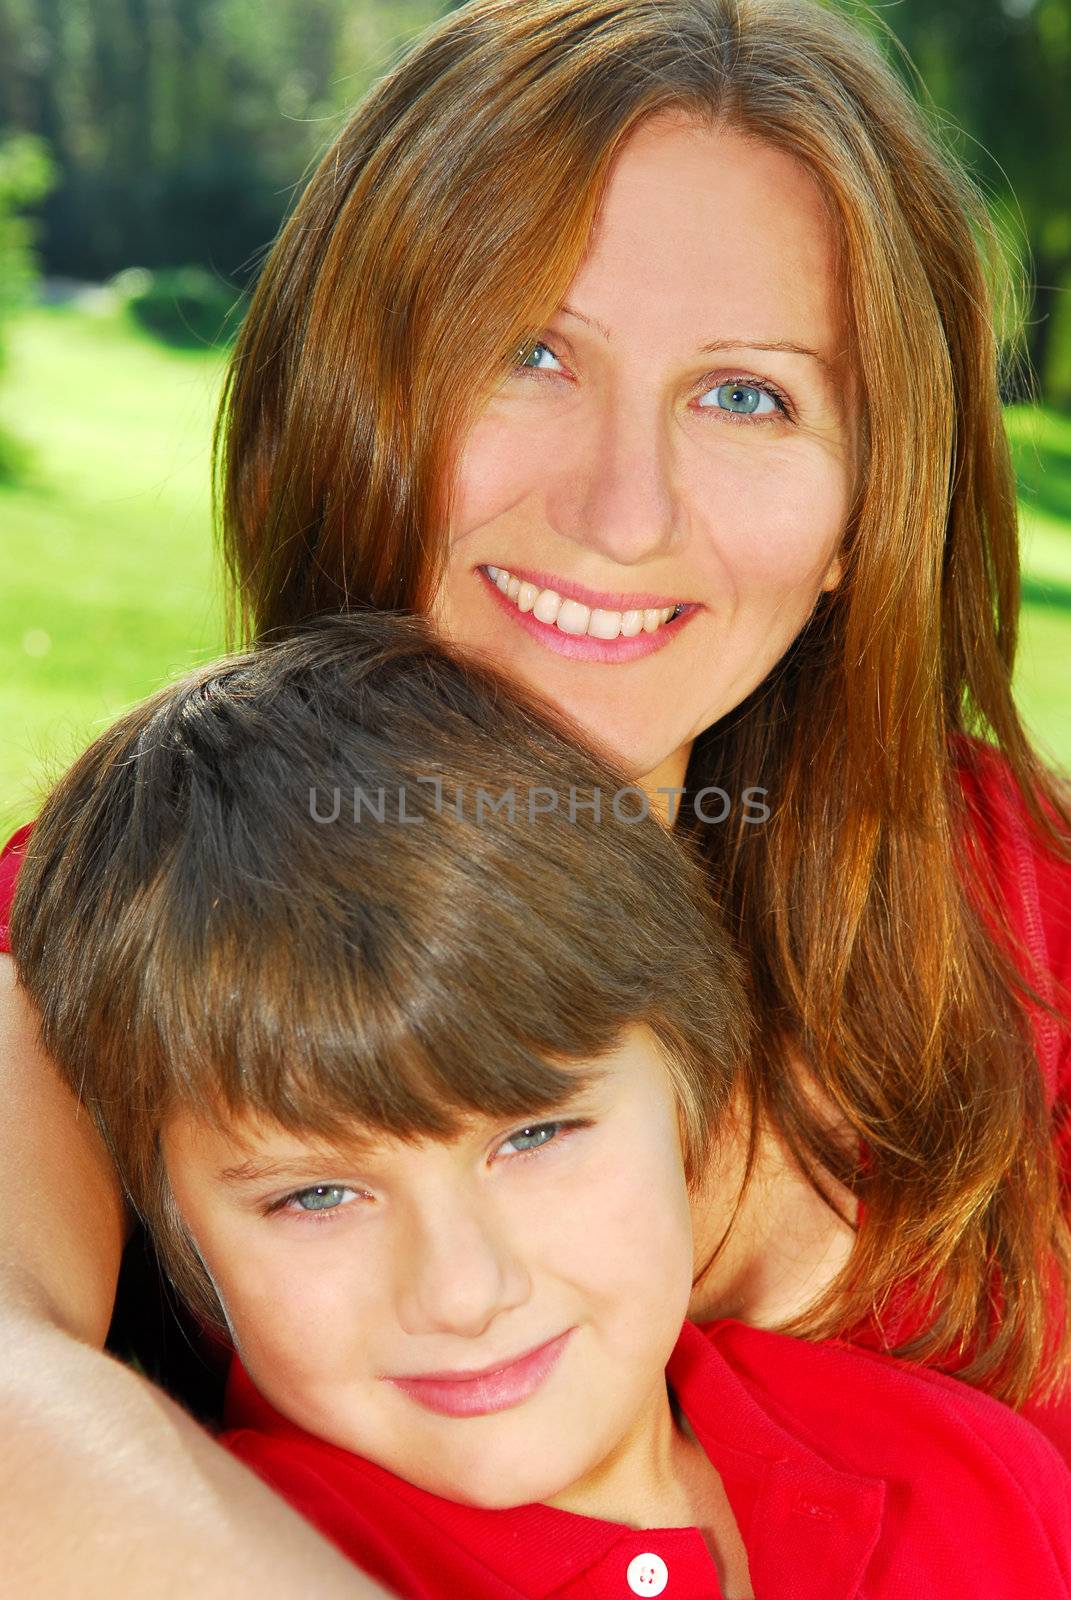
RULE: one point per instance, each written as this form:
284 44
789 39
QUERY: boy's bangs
320 1059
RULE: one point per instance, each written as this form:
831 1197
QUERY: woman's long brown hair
435 240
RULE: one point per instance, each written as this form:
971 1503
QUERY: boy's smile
489 1316
497 1387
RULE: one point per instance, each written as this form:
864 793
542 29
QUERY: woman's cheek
774 531
499 467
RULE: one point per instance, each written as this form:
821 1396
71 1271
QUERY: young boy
415 1054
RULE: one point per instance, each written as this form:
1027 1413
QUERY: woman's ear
834 573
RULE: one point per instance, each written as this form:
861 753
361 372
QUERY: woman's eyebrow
720 344
769 344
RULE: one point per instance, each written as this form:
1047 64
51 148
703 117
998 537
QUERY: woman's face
684 432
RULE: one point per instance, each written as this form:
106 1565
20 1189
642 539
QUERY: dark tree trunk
1048 283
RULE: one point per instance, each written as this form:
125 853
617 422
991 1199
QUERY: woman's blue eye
324 1197
532 1137
742 399
537 350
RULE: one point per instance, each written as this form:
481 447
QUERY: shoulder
998 810
10 861
974 1499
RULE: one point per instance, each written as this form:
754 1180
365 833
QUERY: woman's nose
616 489
457 1271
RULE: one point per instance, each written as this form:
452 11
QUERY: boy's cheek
636 1205
280 1294
306 1351
625 1247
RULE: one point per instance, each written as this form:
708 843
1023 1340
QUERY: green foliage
185 306
998 73
182 127
26 175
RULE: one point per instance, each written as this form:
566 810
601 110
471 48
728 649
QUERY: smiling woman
650 350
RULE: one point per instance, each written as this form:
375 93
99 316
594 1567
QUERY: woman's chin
642 763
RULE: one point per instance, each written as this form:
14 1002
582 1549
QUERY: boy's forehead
244 1144
241 1138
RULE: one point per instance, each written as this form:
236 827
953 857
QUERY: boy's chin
494 1484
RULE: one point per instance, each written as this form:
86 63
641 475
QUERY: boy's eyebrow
358 1147
296 1168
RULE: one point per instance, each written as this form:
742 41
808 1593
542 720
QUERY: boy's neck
661 1477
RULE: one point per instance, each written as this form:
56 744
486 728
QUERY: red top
943 1492
10 858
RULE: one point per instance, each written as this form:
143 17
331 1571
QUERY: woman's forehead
716 232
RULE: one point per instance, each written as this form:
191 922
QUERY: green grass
1041 443
106 557
107 572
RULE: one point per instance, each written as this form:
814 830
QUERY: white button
647 1574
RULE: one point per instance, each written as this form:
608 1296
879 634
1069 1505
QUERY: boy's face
488 1317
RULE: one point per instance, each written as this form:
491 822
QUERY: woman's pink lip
582 647
476 1394
592 597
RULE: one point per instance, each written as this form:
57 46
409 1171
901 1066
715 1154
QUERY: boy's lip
464 1393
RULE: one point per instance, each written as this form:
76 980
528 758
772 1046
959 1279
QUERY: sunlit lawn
107 573
1042 444
106 565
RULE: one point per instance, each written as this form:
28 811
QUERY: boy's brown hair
202 922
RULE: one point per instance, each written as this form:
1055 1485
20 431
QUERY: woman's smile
564 624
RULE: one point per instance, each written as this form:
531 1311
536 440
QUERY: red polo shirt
851 1476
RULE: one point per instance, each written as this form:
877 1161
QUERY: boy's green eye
530 1138
324 1197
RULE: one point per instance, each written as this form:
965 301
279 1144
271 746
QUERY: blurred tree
26 175
1000 72
25 178
181 127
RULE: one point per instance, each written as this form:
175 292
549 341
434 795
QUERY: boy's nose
456 1273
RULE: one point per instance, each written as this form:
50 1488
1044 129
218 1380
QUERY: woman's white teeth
546 605
549 607
573 616
604 624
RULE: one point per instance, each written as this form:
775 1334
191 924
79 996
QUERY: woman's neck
785 1244
668 775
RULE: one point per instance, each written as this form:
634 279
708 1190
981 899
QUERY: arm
106 1487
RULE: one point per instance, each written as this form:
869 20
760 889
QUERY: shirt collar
808 1516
